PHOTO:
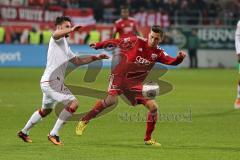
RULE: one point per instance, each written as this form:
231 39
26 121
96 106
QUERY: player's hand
92 45
181 55
76 28
103 56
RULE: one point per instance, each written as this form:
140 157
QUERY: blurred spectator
167 40
171 7
194 14
46 35
183 12
73 4
24 37
15 37
193 43
5 2
231 11
214 10
92 37
148 4
108 3
158 5
37 2
98 10
2 34
147 12
34 36
13 2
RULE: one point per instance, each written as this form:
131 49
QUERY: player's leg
66 113
190 58
135 97
46 109
113 92
98 108
194 57
237 101
70 102
152 118
35 118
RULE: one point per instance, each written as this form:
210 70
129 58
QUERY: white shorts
54 92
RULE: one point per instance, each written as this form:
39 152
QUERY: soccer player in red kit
126 26
138 57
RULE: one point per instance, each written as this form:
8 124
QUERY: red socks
151 122
94 112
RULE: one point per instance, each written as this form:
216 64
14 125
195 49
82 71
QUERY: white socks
63 117
35 118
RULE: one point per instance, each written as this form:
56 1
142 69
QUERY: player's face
64 25
154 39
125 13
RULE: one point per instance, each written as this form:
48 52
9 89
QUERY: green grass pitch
213 132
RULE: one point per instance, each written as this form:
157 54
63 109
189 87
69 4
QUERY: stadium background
206 93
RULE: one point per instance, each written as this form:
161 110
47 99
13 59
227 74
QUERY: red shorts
130 88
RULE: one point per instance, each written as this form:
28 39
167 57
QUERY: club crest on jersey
141 60
154 56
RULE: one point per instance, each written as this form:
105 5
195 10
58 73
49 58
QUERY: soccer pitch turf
207 95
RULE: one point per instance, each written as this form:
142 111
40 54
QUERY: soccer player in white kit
52 81
237 44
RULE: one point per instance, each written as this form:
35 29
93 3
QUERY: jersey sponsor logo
140 60
125 40
154 56
141 38
127 29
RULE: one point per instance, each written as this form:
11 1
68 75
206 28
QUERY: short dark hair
60 20
157 29
125 7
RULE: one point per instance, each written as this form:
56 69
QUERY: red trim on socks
99 107
151 123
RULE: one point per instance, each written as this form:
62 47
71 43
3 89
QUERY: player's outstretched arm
166 59
59 33
81 61
105 44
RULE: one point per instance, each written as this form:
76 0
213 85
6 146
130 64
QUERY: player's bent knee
110 100
44 112
152 105
72 106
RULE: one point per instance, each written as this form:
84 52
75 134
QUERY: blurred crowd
180 11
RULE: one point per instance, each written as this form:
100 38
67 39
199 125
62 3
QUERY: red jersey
137 60
125 27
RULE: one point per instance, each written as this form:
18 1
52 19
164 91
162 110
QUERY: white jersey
59 54
237 38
